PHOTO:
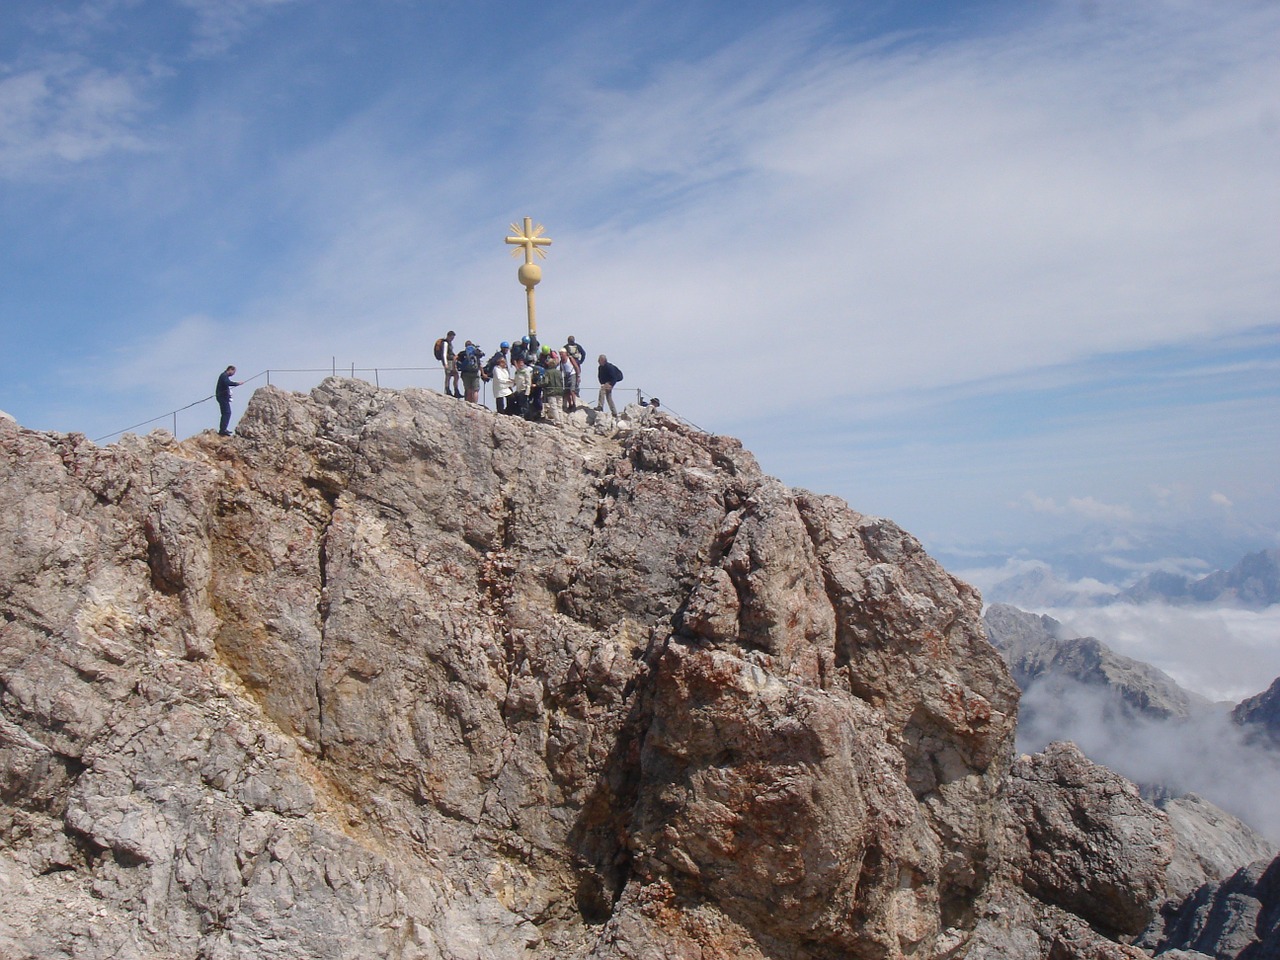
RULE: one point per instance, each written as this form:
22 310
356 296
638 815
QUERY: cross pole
532 240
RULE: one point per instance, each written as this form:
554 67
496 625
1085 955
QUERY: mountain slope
389 675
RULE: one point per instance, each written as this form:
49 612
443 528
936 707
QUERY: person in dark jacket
575 350
609 376
222 392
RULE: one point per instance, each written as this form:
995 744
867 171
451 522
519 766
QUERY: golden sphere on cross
529 274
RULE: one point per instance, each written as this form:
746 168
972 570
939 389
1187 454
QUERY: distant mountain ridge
1253 583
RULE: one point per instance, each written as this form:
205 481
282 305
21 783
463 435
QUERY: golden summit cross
532 240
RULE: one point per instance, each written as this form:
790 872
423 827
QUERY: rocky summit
389 675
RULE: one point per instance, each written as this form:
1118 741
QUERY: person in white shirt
503 386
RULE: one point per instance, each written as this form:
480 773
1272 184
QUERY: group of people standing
529 379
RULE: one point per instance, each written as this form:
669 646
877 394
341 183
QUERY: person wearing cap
520 350
503 351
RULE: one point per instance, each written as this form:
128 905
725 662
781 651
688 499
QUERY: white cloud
938 214
66 111
1187 566
1220 499
1040 504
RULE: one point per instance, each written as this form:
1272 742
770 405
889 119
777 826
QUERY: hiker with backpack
609 377
469 364
444 353
575 350
520 350
504 351
533 408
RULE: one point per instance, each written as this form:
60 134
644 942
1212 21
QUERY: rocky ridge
1038 653
390 675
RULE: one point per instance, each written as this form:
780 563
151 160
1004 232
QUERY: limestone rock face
390 675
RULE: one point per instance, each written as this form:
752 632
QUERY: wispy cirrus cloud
221 23
1087 508
67 111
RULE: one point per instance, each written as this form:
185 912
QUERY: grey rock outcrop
1136 720
1260 714
1089 843
1081 854
389 675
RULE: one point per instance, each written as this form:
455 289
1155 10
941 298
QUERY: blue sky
999 271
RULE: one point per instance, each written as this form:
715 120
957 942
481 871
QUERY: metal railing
372 375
